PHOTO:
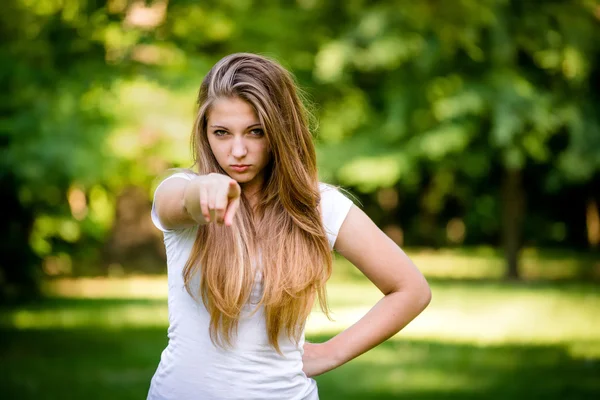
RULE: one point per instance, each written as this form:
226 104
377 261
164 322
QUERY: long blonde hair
283 238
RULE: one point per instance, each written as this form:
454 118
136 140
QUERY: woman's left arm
406 294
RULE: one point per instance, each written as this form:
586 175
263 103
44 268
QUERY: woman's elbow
423 294
426 295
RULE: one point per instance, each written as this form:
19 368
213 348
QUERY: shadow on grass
435 370
118 364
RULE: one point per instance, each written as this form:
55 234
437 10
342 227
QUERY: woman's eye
257 132
219 132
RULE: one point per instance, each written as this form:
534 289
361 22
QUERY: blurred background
469 130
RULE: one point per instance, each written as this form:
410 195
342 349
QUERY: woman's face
237 139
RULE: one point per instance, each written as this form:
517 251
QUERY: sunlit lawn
101 339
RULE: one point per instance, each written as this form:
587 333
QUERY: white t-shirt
193 368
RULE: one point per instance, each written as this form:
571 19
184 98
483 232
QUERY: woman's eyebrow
249 126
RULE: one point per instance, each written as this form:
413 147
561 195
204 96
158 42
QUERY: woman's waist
242 350
250 336
239 370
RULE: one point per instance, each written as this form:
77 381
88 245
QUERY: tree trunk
19 265
592 219
513 210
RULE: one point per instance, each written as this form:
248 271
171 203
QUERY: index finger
231 210
234 190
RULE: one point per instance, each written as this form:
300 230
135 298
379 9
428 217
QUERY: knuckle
203 186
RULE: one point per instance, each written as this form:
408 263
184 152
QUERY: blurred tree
54 78
465 111
459 89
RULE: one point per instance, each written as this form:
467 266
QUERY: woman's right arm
209 198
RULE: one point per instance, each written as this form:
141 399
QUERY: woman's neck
252 192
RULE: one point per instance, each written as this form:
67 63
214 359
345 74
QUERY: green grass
102 339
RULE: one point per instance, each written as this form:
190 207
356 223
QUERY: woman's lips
240 167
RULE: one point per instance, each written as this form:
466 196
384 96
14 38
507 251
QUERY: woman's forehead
232 110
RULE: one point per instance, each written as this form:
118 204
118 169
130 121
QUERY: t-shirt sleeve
155 220
334 209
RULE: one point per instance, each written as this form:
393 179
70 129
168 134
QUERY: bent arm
177 204
406 292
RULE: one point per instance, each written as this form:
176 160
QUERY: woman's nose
238 149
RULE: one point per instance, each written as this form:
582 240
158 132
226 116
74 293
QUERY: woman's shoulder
329 190
325 186
334 206
333 199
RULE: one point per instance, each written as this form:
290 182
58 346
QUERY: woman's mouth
240 167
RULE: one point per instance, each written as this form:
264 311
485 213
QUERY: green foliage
430 98
512 74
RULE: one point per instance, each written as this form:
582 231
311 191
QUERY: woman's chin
240 178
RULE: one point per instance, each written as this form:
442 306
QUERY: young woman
249 237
